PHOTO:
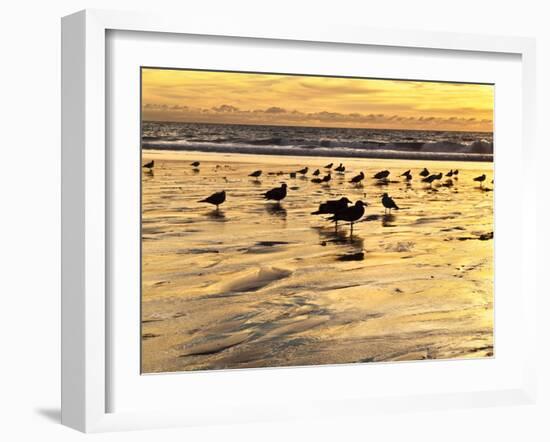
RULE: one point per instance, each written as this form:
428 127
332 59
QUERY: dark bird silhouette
302 171
455 172
292 174
317 180
425 172
332 206
382 175
327 178
256 174
480 180
449 173
276 194
216 199
150 164
434 177
329 166
350 214
316 173
341 168
407 175
388 203
196 163
357 178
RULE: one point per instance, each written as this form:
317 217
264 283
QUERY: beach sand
257 285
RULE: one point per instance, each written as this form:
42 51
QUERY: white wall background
30 219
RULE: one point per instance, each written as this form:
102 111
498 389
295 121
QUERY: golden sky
292 100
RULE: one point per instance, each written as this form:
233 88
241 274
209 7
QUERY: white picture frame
85 214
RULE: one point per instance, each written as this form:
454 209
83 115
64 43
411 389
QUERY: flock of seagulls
341 209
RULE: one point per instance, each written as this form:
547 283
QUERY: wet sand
261 285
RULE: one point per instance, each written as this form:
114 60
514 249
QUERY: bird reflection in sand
276 209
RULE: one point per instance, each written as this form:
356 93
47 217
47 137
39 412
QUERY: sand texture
256 284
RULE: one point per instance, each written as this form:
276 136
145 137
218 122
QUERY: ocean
318 141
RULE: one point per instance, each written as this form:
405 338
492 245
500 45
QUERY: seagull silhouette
328 166
350 214
382 175
196 163
216 199
425 172
388 203
434 177
480 179
256 174
303 171
341 168
357 178
316 173
150 164
276 194
332 206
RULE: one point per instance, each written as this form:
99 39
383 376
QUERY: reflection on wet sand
260 283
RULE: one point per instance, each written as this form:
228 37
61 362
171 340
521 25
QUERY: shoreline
324 153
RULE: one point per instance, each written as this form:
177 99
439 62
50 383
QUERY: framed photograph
269 223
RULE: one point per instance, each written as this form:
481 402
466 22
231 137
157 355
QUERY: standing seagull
350 214
216 199
326 178
276 194
382 175
341 168
455 172
407 175
480 179
332 206
316 173
256 174
425 172
302 171
150 165
358 178
388 203
449 173
328 166
430 179
196 163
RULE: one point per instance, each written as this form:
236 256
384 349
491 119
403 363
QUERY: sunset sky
242 98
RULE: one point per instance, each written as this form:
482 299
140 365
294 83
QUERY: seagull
449 173
216 199
292 174
328 166
276 194
388 203
455 172
196 164
350 214
382 175
150 164
332 206
425 172
316 173
256 174
358 178
430 179
340 168
303 171
407 175
480 179
327 178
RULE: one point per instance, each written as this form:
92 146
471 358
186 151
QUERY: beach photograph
301 220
